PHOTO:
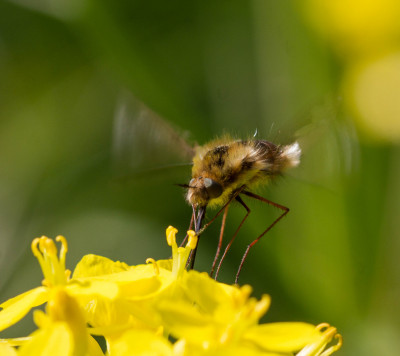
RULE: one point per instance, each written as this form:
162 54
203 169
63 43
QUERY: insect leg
239 199
199 219
285 211
221 235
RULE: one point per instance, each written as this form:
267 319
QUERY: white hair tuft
292 154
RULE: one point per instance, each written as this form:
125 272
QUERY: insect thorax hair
237 163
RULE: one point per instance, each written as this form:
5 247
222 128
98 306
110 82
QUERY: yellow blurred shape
356 26
372 90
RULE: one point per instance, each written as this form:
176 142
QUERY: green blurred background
208 67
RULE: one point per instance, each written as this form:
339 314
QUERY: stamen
53 266
34 247
334 348
192 242
317 348
63 249
153 261
245 292
171 235
37 253
328 331
322 326
47 246
263 305
180 255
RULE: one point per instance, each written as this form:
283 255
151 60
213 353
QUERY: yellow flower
62 331
137 308
205 316
140 342
140 288
221 318
55 275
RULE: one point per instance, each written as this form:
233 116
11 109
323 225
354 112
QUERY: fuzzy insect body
223 166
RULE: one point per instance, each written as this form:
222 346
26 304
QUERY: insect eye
213 188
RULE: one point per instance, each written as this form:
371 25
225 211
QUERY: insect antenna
183 185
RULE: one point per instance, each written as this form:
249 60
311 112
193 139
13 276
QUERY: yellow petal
6 350
110 316
92 287
62 308
183 348
205 291
141 289
93 265
16 308
166 264
55 340
282 337
184 320
137 283
134 273
248 351
139 342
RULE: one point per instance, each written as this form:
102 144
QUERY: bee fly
224 170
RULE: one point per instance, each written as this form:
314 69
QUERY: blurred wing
329 144
144 143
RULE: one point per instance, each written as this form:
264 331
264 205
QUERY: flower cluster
158 308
